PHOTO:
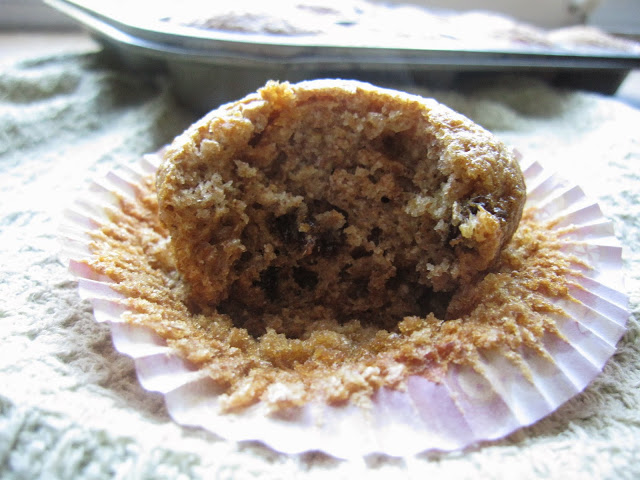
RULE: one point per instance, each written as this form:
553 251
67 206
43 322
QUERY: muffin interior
340 235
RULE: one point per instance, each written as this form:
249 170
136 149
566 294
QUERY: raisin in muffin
369 202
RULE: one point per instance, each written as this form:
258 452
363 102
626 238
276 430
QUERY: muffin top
335 199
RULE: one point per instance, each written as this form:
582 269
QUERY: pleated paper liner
468 405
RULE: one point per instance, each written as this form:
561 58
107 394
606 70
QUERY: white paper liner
468 406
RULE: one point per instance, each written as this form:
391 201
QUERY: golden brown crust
335 200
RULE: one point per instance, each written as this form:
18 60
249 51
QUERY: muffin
335 199
276 353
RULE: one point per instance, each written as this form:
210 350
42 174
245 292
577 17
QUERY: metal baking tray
210 67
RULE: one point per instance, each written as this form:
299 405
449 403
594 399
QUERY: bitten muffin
369 203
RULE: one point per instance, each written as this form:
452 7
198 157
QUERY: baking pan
209 67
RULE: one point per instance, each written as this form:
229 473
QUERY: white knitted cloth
71 406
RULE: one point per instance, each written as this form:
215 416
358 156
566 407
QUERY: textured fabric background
71 407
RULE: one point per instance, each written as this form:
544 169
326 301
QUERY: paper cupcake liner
469 405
